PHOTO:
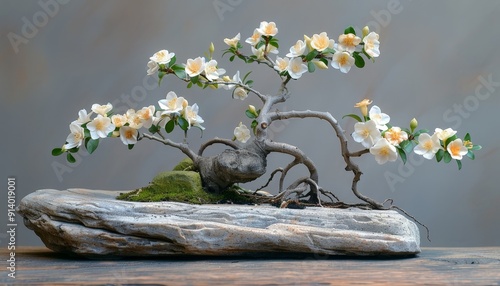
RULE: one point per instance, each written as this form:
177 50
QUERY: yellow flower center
296 68
146 114
468 144
322 42
343 60
129 134
78 136
99 125
255 37
428 145
172 103
296 47
455 150
394 136
211 69
194 67
384 151
348 40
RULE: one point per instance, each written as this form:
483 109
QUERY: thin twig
270 179
217 140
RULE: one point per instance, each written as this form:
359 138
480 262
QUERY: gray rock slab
93 223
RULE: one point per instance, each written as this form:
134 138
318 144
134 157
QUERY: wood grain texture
436 266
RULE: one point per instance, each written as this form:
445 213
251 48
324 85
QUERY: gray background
433 57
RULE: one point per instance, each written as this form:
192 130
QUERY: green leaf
476 147
92 145
467 137
254 125
311 55
169 127
471 155
57 151
86 132
130 146
328 51
349 30
190 84
231 58
439 155
447 157
358 60
259 45
402 154
172 61
70 158
249 83
459 163
180 73
153 129
274 43
250 114
449 140
194 79
353 116
161 74
420 132
242 57
74 150
183 123
311 67
325 61
407 145
246 75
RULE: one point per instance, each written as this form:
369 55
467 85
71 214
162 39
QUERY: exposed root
270 179
414 219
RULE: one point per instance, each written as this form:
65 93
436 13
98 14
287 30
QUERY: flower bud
365 31
252 110
211 49
307 41
413 124
319 64
363 106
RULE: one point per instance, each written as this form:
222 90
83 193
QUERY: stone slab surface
93 223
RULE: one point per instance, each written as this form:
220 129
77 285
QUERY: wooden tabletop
449 266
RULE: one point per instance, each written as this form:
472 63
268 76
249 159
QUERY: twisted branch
217 140
183 147
350 166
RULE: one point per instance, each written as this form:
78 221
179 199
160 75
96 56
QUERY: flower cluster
310 53
195 71
87 131
386 142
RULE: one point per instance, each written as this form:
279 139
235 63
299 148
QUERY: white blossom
75 138
242 133
296 68
128 135
100 127
384 151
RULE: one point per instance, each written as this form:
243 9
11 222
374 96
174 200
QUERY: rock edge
93 223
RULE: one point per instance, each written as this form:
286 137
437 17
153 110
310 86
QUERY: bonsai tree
245 159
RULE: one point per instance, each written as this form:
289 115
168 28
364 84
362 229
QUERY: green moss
180 186
185 164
